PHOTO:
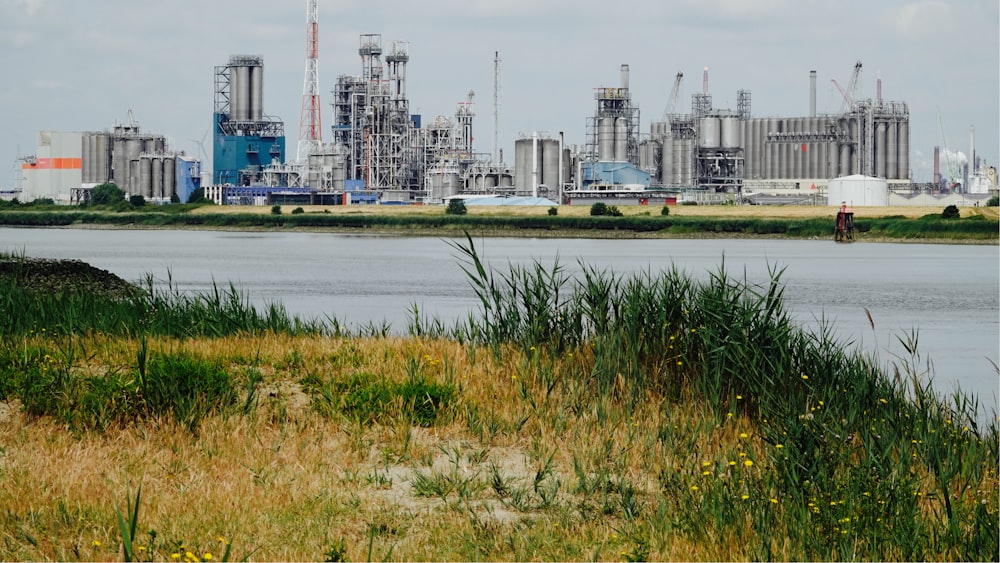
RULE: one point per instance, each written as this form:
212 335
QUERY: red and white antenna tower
310 129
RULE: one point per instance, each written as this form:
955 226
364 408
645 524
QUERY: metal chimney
812 93
624 77
937 167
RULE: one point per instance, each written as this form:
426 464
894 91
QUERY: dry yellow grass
288 484
777 211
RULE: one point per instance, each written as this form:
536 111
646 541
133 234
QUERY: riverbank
979 226
556 429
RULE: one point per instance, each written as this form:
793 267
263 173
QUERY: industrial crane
851 93
674 94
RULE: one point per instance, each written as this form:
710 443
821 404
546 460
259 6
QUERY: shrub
553 211
137 201
602 209
665 211
298 210
107 193
993 202
456 207
276 210
950 212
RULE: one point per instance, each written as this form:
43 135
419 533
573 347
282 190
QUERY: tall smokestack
624 77
812 93
937 167
704 82
972 149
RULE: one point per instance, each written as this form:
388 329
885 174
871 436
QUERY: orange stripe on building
54 163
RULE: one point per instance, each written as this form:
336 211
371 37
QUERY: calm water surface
949 294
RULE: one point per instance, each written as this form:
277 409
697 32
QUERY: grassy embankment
925 224
652 417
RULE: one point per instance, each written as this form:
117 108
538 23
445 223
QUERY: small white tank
858 191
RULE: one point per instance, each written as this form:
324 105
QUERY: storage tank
687 177
667 158
144 181
730 133
523 163
647 155
256 93
156 180
904 150
621 140
709 133
240 94
880 149
892 155
606 139
103 165
169 177
858 191
339 167
549 167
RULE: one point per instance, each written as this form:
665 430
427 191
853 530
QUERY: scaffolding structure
372 119
613 130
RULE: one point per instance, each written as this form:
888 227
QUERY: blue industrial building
245 140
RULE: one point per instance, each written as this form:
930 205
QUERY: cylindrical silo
144 183
667 158
86 158
256 93
730 134
687 165
169 177
550 162
647 155
621 139
678 159
880 149
156 180
339 167
606 139
892 154
709 134
241 95
103 164
904 149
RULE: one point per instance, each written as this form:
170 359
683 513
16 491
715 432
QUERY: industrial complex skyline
83 66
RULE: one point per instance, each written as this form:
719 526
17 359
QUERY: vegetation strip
607 417
941 227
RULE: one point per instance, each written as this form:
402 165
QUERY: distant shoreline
979 226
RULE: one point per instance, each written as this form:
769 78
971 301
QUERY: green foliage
106 194
298 211
137 200
844 440
664 211
198 196
553 211
456 207
993 201
275 210
174 198
601 209
950 212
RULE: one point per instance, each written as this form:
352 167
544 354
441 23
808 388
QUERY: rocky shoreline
63 276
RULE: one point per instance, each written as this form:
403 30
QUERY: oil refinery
376 151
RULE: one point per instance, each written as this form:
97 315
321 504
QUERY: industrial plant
377 152
66 165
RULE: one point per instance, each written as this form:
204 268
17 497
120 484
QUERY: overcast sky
74 65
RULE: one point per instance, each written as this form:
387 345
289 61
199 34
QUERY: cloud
925 18
30 7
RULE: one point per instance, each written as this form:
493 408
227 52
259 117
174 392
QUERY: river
948 294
